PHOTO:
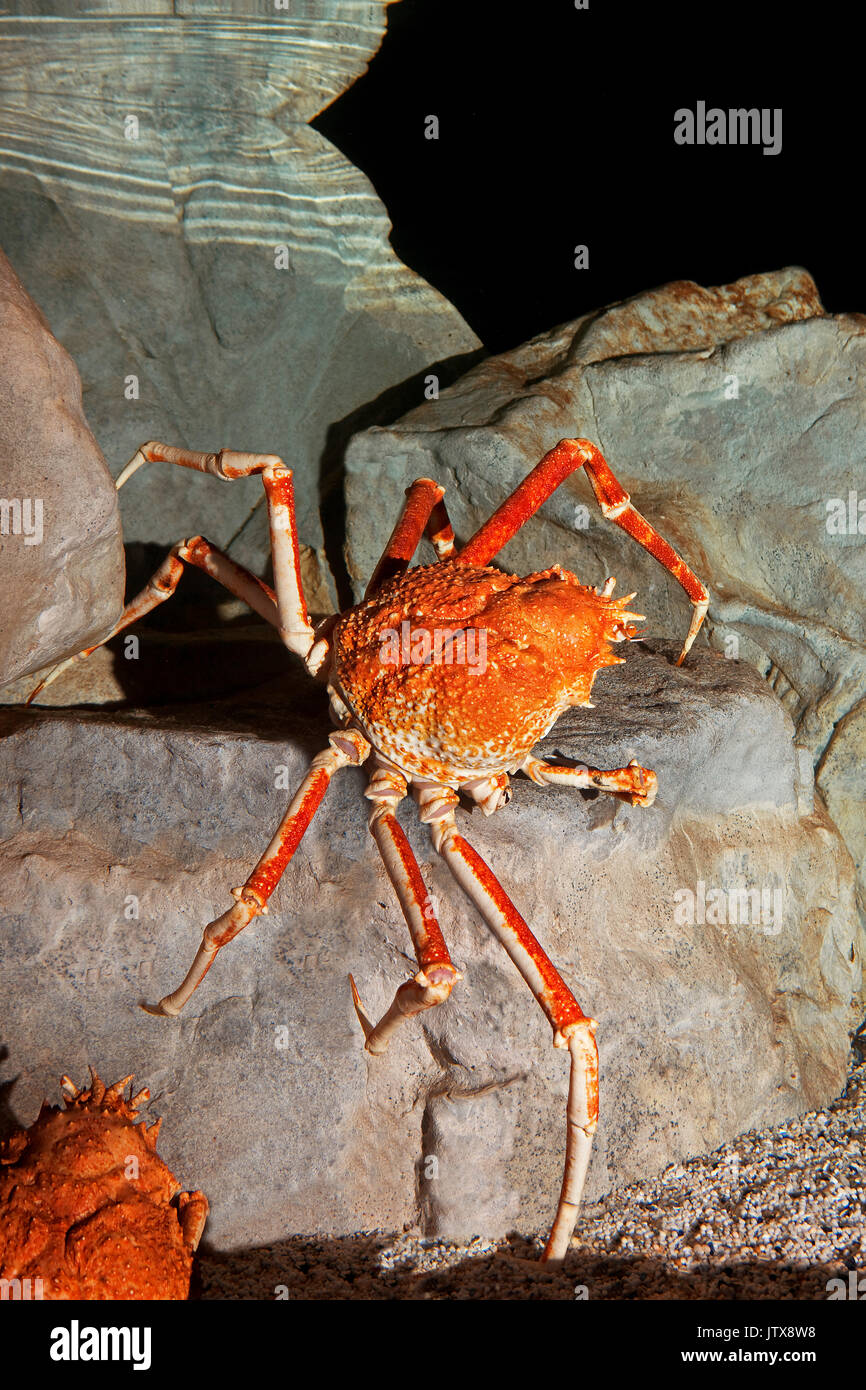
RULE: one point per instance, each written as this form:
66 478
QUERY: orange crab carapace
527 649
87 1208
441 681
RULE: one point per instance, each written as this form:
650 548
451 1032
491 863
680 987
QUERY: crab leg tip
364 1021
164 1009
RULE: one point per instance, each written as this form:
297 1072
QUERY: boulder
220 272
123 832
61 556
736 418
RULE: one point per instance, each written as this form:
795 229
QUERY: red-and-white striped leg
440 532
572 1029
635 784
229 464
423 511
162 584
436 975
545 478
347 748
295 628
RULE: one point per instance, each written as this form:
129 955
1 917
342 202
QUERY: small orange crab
87 1208
442 681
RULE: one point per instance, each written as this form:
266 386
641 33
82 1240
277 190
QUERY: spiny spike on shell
106 1097
97 1087
116 1089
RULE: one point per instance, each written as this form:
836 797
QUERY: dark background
556 128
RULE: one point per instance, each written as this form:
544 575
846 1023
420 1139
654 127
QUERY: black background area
556 129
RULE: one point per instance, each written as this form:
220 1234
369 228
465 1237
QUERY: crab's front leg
572 1029
635 784
347 748
423 514
616 506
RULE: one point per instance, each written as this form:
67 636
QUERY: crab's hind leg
436 975
423 514
347 748
572 1029
162 584
285 609
229 464
615 503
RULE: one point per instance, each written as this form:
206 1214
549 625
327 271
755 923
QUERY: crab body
88 1209
454 672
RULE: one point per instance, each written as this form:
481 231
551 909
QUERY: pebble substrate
777 1213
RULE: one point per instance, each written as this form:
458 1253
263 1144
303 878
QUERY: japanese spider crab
88 1209
438 729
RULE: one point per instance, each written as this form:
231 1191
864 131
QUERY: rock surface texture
61 557
736 418
123 834
219 271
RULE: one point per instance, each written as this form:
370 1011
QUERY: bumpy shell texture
535 646
88 1209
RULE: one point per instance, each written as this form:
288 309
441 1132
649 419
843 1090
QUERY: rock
122 833
736 418
61 557
219 271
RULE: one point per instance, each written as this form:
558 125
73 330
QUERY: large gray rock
736 418
122 834
61 557
219 271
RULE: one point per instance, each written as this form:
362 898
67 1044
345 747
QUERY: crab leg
423 514
347 748
436 975
162 584
439 531
545 478
635 784
295 628
228 464
572 1029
